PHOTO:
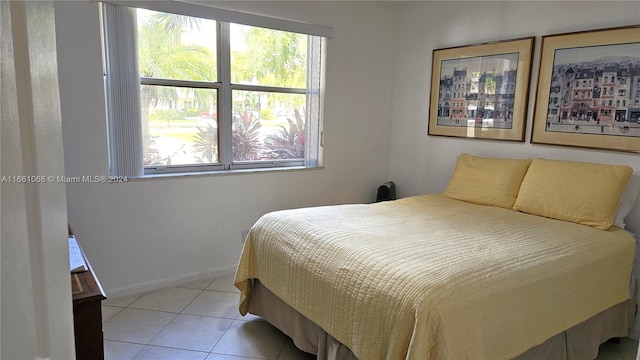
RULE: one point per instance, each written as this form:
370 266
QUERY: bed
510 261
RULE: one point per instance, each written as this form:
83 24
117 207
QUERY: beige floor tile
171 300
135 325
251 339
192 332
116 350
224 283
163 353
214 303
200 284
122 301
108 312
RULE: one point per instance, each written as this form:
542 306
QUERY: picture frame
588 92
481 91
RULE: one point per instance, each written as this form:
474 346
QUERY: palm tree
162 55
271 58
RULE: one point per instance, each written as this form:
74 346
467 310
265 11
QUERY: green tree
270 58
162 55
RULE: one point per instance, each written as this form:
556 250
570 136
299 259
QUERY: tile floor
193 321
200 321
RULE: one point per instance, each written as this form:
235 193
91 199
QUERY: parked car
208 115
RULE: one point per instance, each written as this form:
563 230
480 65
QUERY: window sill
220 173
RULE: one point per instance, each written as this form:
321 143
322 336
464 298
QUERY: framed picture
588 91
481 91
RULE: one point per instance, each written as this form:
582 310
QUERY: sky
582 54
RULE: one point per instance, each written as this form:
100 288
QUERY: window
197 93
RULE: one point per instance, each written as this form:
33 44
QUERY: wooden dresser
87 297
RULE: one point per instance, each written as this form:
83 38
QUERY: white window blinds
123 91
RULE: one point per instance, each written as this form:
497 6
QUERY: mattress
429 277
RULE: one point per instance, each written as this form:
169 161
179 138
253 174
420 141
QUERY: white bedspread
429 277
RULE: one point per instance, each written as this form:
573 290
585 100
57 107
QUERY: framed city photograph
481 91
588 92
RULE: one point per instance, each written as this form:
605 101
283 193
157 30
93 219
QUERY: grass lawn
186 129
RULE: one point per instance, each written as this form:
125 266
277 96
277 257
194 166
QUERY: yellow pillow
487 181
581 192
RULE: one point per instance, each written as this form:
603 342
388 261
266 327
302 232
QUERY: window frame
316 49
186 168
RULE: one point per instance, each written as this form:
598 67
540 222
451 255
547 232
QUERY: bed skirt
580 342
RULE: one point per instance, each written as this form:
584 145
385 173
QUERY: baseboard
169 282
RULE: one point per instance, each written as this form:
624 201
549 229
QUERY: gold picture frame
588 92
481 91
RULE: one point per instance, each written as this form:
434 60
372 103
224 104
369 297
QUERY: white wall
149 231
420 163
